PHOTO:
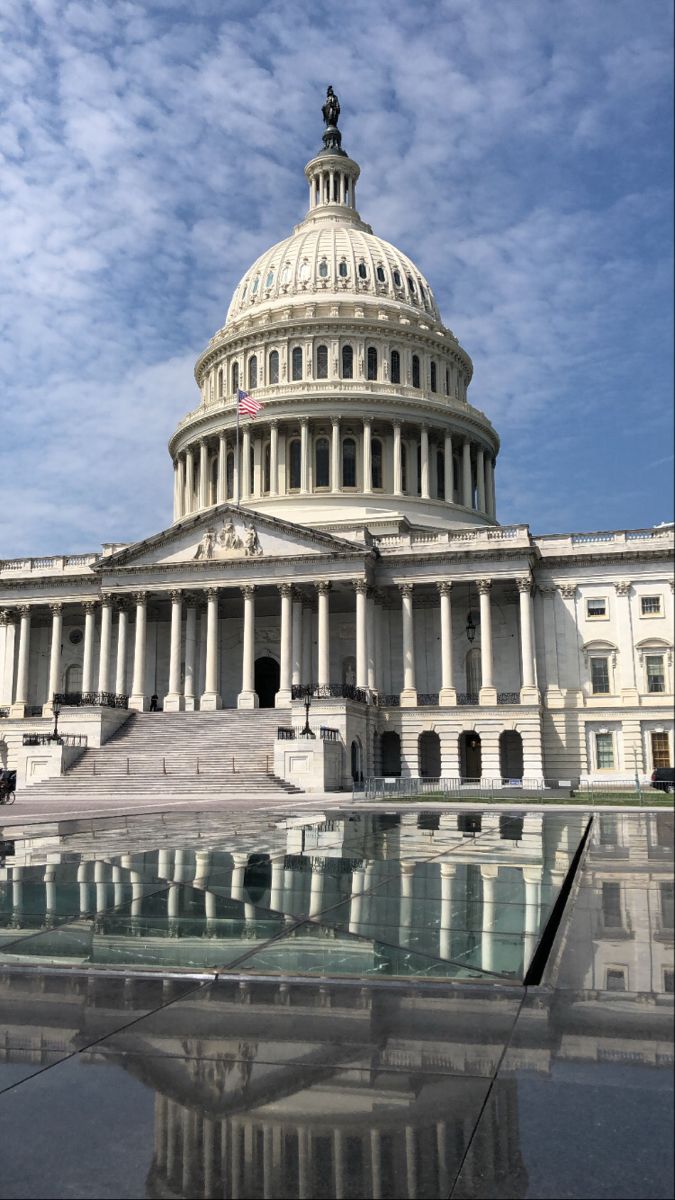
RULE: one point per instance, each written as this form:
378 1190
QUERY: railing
4 711
425 699
61 739
467 697
421 785
389 700
33 710
329 735
53 562
329 691
89 699
285 733
508 697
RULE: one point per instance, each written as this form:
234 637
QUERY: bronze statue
331 109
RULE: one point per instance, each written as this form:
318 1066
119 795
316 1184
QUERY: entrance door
470 758
429 748
511 754
266 681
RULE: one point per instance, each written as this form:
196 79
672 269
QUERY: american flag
248 407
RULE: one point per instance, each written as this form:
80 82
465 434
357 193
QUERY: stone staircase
176 756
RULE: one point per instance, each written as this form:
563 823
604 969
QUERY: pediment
228 533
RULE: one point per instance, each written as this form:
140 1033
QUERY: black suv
663 779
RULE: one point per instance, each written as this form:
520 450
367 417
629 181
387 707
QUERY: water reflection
431 895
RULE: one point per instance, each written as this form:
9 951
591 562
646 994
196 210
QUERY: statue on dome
331 109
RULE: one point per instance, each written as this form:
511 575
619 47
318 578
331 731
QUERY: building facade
345 542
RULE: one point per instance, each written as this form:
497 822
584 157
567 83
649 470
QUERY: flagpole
236 459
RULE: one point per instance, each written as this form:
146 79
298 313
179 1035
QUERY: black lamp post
307 732
56 709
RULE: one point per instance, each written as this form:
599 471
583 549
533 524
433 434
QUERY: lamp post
56 709
307 732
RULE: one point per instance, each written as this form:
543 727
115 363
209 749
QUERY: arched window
270 278
349 462
286 273
433 376
294 464
415 371
220 382
363 271
252 372
274 366
235 377
397 278
411 284
440 474
372 363
322 463
323 269
347 362
229 475
343 269
296 363
376 462
381 277
267 467
404 468
256 281
322 362
304 271
395 371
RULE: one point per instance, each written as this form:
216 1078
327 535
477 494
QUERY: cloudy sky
520 153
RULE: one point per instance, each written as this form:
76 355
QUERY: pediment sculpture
227 543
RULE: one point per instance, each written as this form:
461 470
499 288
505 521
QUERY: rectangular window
650 606
596 608
660 750
667 906
600 675
656 676
669 981
611 905
609 830
604 751
616 979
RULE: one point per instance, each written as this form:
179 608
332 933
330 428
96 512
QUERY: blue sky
520 153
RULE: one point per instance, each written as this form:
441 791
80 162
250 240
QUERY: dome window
294 460
447 382
267 468
411 284
229 476
349 463
397 279
296 364
286 273
321 463
363 271
415 371
252 372
371 369
273 366
322 362
343 269
376 463
220 382
347 362
395 368
323 269
256 281
270 278
381 277
425 299
243 293
404 468
303 273
235 376
432 372
440 475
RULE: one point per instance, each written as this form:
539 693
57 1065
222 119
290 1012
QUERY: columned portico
361 589
190 686
488 692
528 691
283 696
211 698
409 693
105 644
54 657
323 666
138 700
121 661
247 697
18 708
447 694
88 655
173 701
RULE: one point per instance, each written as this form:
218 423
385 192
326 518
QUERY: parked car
663 779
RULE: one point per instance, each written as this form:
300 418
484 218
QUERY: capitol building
343 545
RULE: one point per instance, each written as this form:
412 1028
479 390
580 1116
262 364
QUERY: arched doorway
511 755
73 678
357 761
390 748
470 757
266 681
429 750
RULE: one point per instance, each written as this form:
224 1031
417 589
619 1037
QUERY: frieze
228 543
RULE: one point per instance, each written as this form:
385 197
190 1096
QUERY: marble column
203 473
409 693
335 456
190 687
554 697
274 458
424 462
370 640
627 677
173 701
307 642
138 700
406 902
221 493
488 693
323 672
121 661
356 900
490 486
467 485
396 473
179 488
489 873
316 902
189 481
248 697
480 478
448 872
54 657
367 456
7 665
211 698
448 468
304 455
105 645
528 691
283 696
88 651
296 674
361 589
447 695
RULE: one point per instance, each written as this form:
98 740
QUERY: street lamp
307 732
56 709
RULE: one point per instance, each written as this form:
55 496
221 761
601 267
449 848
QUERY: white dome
332 256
